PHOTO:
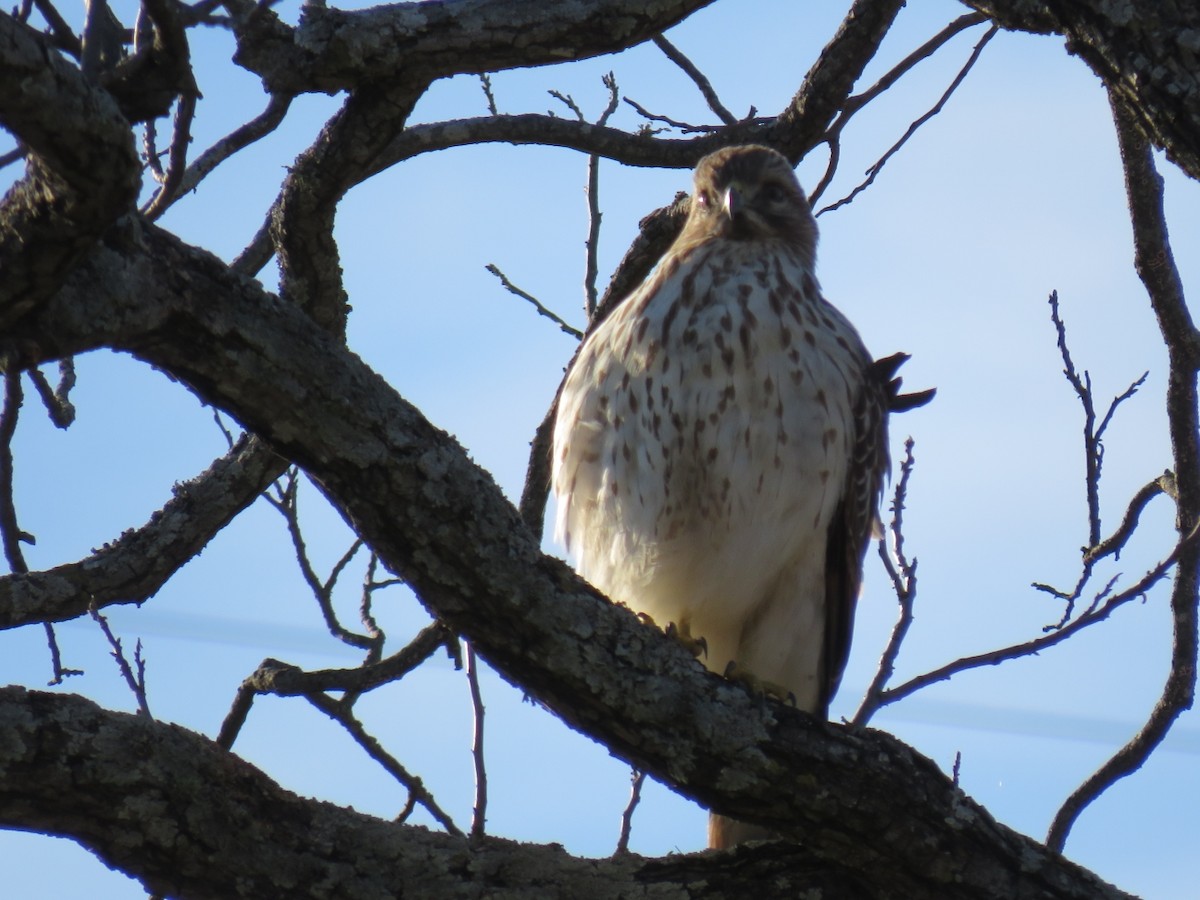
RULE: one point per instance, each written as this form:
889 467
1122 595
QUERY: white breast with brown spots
701 449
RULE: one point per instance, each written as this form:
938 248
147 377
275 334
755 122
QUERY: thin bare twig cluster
143 73
375 671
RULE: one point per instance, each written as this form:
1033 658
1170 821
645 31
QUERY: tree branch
847 795
132 568
82 173
1155 264
1144 52
333 49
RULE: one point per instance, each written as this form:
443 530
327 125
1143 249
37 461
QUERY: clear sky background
1013 191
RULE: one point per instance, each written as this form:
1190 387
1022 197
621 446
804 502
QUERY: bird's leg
759 685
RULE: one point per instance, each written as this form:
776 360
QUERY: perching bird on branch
721 443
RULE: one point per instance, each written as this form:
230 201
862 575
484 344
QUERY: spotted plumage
720 441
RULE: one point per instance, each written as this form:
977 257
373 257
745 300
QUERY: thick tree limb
82 173
132 568
1145 51
854 798
303 216
162 802
334 49
831 78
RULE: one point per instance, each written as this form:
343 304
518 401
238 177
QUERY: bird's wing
853 523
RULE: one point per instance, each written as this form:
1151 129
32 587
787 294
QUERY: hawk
720 442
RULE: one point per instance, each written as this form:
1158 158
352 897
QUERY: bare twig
11 535
57 400
684 127
283 680
903 575
1155 265
714 102
1093 447
56 666
185 111
223 428
542 310
486 82
391 765
10 532
7 159
1083 389
874 170
479 819
855 103
238 139
569 102
925 51
285 503
1033 647
150 149
592 244
370 586
1117 540
136 682
637 779
63 34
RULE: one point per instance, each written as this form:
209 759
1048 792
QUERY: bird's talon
683 634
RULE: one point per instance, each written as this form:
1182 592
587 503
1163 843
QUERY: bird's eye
704 199
774 193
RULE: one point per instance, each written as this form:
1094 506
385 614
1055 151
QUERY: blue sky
1013 191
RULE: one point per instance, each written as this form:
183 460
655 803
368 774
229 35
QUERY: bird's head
750 193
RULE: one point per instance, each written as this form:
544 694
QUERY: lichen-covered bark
855 799
336 49
1146 51
133 567
81 271
83 170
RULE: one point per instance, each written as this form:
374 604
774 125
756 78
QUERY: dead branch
533 301
284 680
412 783
1114 543
903 575
874 170
479 816
855 103
1154 261
636 780
132 568
675 55
135 682
57 400
1094 615
238 139
285 503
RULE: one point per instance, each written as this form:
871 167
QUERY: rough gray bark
81 270
183 804
1146 51
859 800
133 567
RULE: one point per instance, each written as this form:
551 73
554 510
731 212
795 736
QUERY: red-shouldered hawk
721 442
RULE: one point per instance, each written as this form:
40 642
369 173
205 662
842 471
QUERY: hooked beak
735 201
